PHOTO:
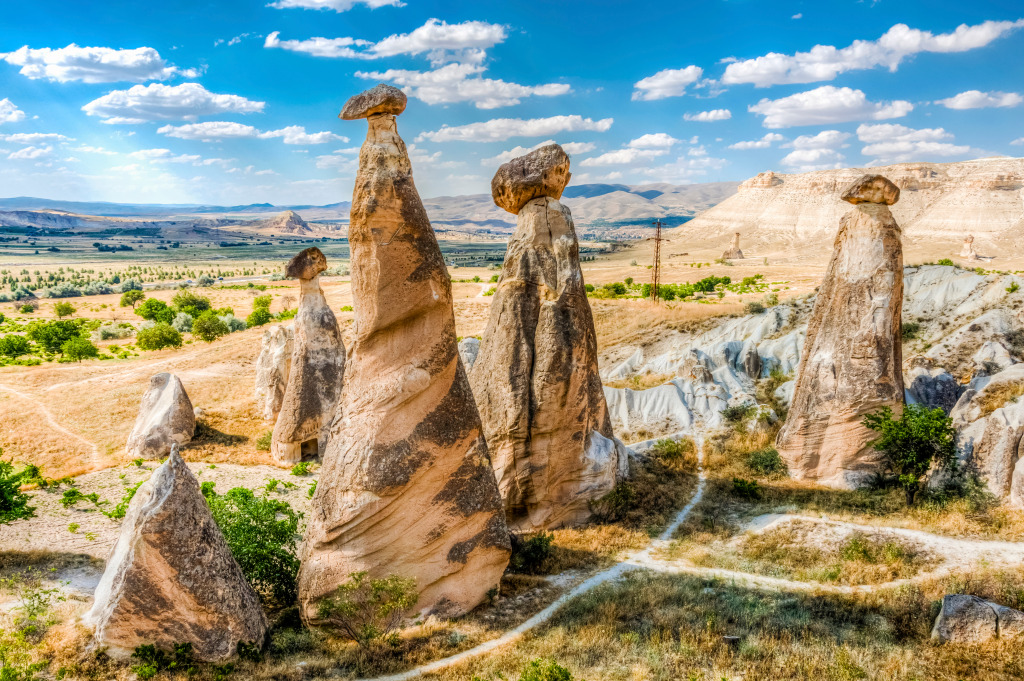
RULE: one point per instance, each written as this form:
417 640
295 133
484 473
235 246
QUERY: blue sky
236 102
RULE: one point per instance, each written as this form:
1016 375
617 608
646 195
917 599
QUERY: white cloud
826 139
657 140
501 129
763 143
94 150
209 131
817 152
506 156
709 116
975 99
94 64
341 159
825 62
666 83
1019 140
889 143
35 137
798 15
825 105
320 47
9 113
452 83
622 157
31 153
157 102
336 5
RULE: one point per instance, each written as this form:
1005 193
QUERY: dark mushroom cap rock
306 264
872 189
542 172
380 99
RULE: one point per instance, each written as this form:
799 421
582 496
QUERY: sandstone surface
406 486
273 367
542 172
171 578
166 417
733 252
969 619
852 357
317 367
536 376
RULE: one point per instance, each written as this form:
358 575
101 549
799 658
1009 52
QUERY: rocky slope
984 197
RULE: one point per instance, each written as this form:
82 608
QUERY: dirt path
54 423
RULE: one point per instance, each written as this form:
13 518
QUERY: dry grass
641 381
999 396
639 322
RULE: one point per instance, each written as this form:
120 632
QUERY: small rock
166 418
381 99
542 172
872 189
965 619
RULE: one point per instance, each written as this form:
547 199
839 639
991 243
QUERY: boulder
993 447
542 172
468 349
273 367
317 368
166 418
406 486
969 619
381 99
733 252
852 356
171 578
536 377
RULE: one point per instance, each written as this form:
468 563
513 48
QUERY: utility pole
656 279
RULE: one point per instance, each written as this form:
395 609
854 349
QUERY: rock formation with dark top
967 251
406 486
166 417
734 252
171 578
851 364
535 377
317 367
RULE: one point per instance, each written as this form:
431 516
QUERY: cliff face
943 200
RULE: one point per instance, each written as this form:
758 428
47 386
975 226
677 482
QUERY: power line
656 279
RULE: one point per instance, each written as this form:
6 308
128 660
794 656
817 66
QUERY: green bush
737 414
152 660
947 262
157 337
262 534
1013 287
346 308
673 451
263 441
155 310
259 317
755 307
209 327
261 302
767 462
545 670
13 502
78 349
301 468
13 345
913 442
73 496
27 308
530 553
746 489
132 297
52 335
367 610
190 303
909 330
615 505
121 509
63 309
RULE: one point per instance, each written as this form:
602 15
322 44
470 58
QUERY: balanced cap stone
872 189
381 99
306 264
542 172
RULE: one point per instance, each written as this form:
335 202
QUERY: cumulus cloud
763 143
94 64
1019 140
506 156
825 105
158 102
9 113
656 140
709 116
210 131
320 47
501 129
623 157
94 150
462 83
666 83
975 99
31 153
890 143
35 137
336 5
825 62
817 152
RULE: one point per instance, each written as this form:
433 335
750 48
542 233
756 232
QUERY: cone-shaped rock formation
171 578
852 357
734 252
967 251
536 378
273 367
406 486
166 418
317 367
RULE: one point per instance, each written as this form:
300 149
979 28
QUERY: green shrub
530 553
673 451
615 505
152 660
63 309
73 496
909 330
913 442
132 297
1013 287
754 307
15 346
767 462
52 335
209 327
947 262
263 441
346 308
13 502
155 310
157 337
262 302
301 468
259 317
367 610
545 670
746 489
190 303
27 308
262 534
737 414
78 349
312 489
121 509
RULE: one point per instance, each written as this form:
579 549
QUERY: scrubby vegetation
367 610
913 442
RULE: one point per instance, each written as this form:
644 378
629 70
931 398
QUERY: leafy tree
259 317
63 309
209 327
183 322
13 502
53 335
131 297
189 303
366 610
131 285
78 349
13 345
913 442
157 337
261 533
157 310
